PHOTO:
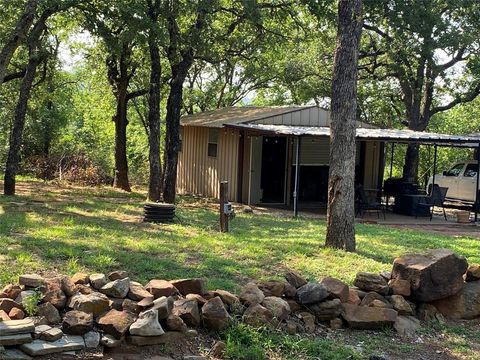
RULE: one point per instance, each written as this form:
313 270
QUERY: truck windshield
471 170
455 171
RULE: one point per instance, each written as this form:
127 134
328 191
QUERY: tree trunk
154 183
121 164
172 140
16 135
16 37
341 212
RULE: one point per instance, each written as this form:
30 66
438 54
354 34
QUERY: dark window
471 170
212 142
456 170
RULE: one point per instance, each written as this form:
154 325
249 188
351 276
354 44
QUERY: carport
386 136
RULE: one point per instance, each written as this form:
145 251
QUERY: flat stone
14 354
15 339
214 314
95 303
326 310
118 288
98 280
190 286
92 339
146 302
117 275
164 306
251 294
51 335
277 306
147 324
188 311
50 313
137 292
337 289
16 327
364 317
66 343
169 338
77 322
371 282
372 299
295 279
434 275
159 288
116 323
40 329
31 280
311 293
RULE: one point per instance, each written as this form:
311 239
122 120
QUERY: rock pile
88 311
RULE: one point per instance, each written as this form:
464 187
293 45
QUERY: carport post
391 159
478 178
297 175
434 166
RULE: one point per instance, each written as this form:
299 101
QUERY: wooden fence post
223 201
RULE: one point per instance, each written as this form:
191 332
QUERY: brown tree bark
16 37
341 212
16 135
155 176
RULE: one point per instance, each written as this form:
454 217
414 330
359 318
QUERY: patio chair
363 204
436 198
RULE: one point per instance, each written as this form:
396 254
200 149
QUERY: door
451 179
273 169
468 182
255 191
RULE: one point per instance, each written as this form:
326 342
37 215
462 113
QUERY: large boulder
463 305
117 288
371 282
434 275
159 288
116 323
50 313
364 317
214 314
188 311
257 315
311 293
272 287
137 292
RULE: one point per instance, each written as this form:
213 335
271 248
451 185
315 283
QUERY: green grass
49 228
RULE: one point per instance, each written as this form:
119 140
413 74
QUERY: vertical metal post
434 167
223 201
297 176
478 178
391 159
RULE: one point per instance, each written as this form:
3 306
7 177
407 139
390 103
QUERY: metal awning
386 135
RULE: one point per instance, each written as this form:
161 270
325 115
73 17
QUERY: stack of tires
158 212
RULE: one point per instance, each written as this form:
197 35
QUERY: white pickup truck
460 180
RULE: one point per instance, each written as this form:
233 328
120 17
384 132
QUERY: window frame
212 142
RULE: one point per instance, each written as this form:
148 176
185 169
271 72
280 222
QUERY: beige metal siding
199 174
313 116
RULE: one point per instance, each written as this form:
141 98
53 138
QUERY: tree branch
136 93
469 96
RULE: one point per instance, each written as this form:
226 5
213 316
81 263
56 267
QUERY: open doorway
273 169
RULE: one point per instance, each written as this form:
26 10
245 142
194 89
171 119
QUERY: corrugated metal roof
389 135
238 114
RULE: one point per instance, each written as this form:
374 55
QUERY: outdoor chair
436 198
363 204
